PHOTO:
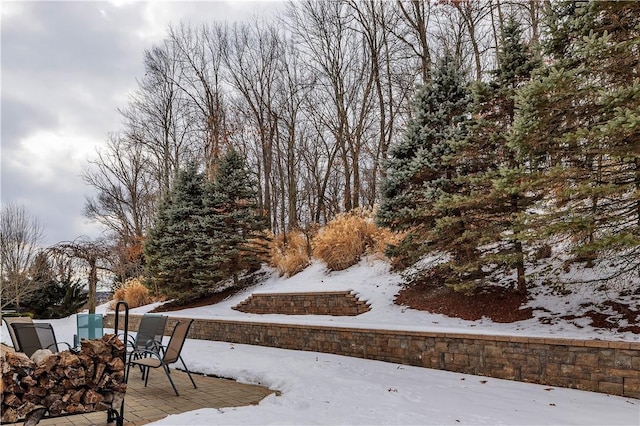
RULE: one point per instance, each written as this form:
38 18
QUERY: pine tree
578 126
206 232
234 222
490 199
420 168
58 296
174 248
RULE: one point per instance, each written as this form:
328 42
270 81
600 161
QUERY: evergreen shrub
56 299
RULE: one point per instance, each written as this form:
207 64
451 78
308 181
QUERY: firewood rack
114 414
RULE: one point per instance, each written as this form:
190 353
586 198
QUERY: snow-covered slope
327 389
374 282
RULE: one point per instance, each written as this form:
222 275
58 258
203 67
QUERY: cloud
20 118
66 69
44 175
69 59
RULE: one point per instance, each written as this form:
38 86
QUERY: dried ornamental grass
134 292
381 238
289 254
342 242
349 236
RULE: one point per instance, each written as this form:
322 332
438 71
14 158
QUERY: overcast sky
66 68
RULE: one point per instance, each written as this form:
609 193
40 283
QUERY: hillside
577 311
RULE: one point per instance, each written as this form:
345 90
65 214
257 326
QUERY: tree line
313 101
485 130
494 132
540 160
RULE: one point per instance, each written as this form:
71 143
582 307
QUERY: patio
157 400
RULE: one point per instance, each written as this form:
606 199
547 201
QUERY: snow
325 389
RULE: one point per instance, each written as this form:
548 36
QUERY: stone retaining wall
592 365
339 303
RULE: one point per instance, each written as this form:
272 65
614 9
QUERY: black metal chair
160 356
34 336
150 332
15 320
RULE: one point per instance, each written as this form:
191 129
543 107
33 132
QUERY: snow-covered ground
326 389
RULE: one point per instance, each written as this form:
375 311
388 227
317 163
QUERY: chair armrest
69 347
127 339
142 353
154 345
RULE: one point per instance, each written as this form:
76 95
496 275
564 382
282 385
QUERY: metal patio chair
149 335
34 336
15 320
89 326
163 356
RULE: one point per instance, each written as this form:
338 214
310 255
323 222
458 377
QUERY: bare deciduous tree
416 14
251 57
159 116
126 200
326 32
199 55
20 236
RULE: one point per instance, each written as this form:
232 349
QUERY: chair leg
145 377
166 370
126 374
144 371
138 356
188 372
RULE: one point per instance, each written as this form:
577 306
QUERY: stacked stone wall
338 303
610 367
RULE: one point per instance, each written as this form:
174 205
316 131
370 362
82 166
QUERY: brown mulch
497 303
505 306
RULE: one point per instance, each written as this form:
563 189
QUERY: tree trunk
93 284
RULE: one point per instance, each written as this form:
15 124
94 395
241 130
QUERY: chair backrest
14 320
34 336
47 337
151 329
89 326
179 335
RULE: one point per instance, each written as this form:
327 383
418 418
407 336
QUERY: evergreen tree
58 295
234 222
174 246
420 169
578 127
206 232
491 199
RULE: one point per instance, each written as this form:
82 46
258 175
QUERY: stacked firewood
69 382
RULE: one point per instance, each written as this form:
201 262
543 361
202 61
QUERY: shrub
56 299
289 253
134 292
345 239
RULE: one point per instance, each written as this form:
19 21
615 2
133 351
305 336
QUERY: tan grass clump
289 252
344 240
134 292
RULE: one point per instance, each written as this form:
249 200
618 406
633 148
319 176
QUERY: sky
66 67
325 389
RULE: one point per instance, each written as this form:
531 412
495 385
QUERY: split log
57 384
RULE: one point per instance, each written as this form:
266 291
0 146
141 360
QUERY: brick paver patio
157 400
